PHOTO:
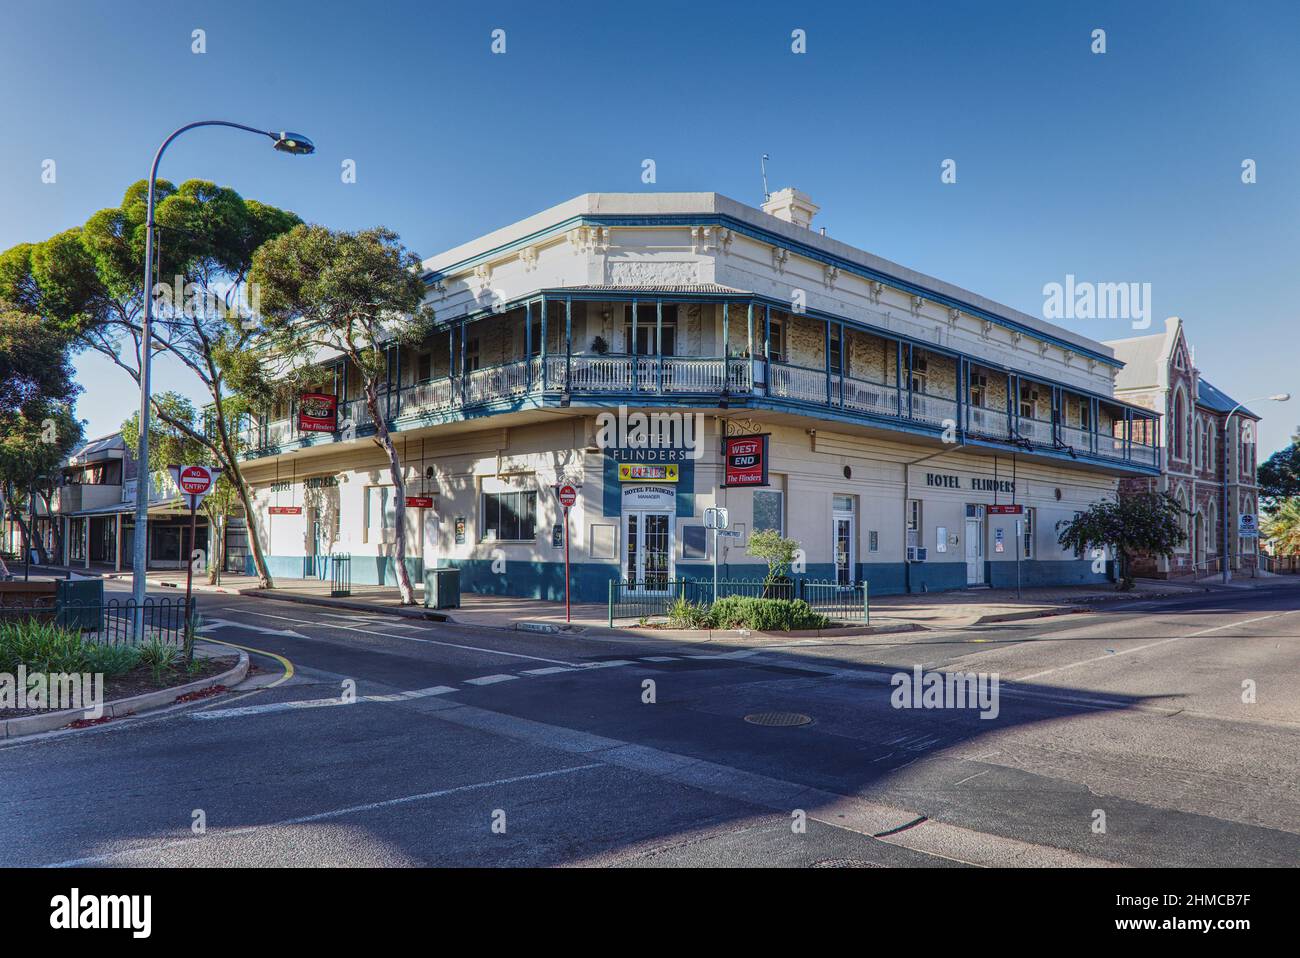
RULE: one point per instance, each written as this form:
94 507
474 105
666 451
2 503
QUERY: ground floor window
381 513
1028 542
769 510
509 515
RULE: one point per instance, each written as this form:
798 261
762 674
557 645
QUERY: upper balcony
722 349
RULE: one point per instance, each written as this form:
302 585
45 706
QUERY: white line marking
969 777
411 638
1152 645
606 665
323 816
550 670
319 703
490 679
659 658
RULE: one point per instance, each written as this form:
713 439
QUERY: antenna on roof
763 166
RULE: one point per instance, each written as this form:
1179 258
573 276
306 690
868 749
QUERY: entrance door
842 531
974 545
648 562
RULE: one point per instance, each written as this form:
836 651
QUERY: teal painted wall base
590 580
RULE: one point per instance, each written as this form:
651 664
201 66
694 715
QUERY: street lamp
1226 558
285 142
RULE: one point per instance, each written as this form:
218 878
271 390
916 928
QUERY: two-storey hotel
918 436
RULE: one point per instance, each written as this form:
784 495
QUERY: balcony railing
632 376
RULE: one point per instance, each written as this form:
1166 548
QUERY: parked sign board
419 502
1013 510
745 460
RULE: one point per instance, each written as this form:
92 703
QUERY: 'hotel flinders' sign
943 480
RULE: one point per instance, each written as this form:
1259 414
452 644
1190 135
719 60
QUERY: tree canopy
1148 523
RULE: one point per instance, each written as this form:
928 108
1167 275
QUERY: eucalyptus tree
326 292
85 283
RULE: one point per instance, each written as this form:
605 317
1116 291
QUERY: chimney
792 206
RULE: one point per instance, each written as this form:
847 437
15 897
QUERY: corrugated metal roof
1211 397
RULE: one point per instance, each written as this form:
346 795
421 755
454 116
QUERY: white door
842 539
647 563
429 546
974 550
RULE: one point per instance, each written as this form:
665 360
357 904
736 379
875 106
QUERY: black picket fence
114 621
638 600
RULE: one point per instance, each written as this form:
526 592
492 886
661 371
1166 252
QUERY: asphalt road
482 747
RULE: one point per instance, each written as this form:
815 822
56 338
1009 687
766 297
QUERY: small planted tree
779 554
349 294
1144 523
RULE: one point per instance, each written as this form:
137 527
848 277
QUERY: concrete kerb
34 724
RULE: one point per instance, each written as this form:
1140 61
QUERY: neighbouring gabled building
913 428
1160 374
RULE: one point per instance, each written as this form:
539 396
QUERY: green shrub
765 615
44 647
159 657
684 614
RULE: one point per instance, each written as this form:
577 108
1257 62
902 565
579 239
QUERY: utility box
442 588
79 604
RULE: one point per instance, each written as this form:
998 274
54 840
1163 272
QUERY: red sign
419 502
568 495
285 510
195 480
318 412
1006 510
745 460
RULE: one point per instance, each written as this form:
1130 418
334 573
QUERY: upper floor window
1028 400
423 367
647 330
920 374
979 385
1179 427
776 339
837 352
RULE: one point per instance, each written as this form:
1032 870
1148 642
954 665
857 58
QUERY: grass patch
44 647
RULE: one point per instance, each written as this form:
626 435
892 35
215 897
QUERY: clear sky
1115 167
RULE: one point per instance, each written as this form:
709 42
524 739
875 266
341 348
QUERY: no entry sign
567 495
195 480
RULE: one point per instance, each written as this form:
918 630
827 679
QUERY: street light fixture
1226 557
285 142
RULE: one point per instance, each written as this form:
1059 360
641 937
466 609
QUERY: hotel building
919 436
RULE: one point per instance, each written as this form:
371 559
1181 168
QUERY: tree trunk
399 490
231 461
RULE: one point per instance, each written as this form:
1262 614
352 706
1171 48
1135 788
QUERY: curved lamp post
285 142
1226 556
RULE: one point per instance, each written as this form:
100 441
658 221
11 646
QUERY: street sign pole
189 566
568 609
715 564
1020 551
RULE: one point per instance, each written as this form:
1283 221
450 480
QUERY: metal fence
341 574
638 600
113 621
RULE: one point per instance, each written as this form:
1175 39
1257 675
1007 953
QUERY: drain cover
843 863
778 719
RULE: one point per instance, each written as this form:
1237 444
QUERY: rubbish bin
79 603
442 588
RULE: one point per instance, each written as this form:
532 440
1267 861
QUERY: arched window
1180 427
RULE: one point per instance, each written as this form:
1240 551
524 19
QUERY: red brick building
1160 373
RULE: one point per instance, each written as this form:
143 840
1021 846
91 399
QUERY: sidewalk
891 613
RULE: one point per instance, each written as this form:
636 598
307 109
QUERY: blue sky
1124 166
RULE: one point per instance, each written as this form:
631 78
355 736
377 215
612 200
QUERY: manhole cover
843 863
778 719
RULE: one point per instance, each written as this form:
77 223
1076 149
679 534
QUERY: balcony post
726 347
749 335
1056 415
909 381
395 387
543 353
1094 422
767 349
827 333
568 344
1013 405
528 342
632 347
659 345
898 377
844 348
1128 433
464 342
963 378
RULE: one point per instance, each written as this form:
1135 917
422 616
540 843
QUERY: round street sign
568 495
195 480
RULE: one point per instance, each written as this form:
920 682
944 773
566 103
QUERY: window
509 516
776 340
842 503
979 385
873 541
381 513
536 335
837 352
471 354
1028 400
769 510
1085 415
423 367
646 330
1029 534
920 374
1179 428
